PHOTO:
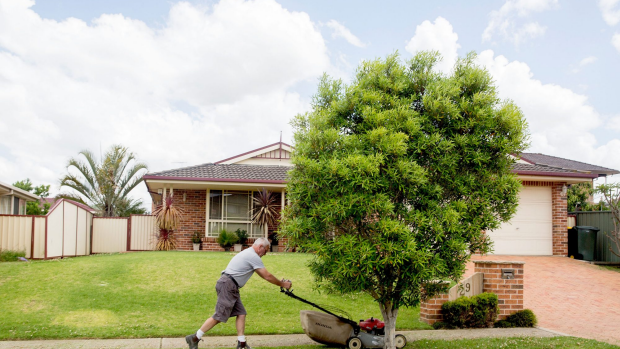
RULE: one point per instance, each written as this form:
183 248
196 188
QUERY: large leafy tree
578 198
35 207
397 175
106 185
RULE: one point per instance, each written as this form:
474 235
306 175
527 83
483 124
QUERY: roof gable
274 154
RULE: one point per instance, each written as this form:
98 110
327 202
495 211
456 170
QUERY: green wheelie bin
582 242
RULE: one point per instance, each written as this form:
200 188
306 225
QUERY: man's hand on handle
286 284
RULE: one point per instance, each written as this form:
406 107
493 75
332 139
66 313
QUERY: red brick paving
570 296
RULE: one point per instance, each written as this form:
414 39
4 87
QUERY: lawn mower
334 326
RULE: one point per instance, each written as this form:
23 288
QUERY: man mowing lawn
237 273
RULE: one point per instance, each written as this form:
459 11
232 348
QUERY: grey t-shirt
242 266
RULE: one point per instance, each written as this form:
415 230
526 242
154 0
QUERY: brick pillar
509 291
560 220
430 310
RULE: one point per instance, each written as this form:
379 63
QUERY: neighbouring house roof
7 189
542 170
225 173
566 164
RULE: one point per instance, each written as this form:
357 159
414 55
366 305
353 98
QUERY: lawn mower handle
290 293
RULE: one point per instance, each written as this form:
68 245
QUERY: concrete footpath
258 341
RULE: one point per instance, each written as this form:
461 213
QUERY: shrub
457 312
471 312
502 324
243 235
226 239
11 256
522 318
440 325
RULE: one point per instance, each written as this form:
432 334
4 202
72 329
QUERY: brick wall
430 310
509 291
560 220
194 220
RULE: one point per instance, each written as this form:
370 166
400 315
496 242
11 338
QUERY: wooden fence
604 221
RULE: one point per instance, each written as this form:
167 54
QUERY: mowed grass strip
157 294
493 343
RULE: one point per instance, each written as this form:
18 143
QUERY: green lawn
156 294
612 268
495 343
10 256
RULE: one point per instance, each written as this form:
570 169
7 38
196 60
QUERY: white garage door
529 232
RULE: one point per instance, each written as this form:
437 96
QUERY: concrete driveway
570 296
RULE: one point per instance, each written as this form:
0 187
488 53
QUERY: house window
22 206
15 205
231 210
5 204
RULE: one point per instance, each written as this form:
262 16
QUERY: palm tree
106 185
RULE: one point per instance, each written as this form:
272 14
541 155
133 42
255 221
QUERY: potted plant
196 240
227 239
243 237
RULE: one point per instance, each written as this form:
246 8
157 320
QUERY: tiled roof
554 161
548 171
225 173
277 174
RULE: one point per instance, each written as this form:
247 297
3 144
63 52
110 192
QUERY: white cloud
506 21
561 121
208 84
340 31
587 60
615 41
437 36
611 14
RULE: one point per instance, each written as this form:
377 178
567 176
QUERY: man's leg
240 325
240 322
193 339
212 322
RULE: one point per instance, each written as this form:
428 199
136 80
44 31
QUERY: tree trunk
389 317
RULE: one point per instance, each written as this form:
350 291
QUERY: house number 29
463 289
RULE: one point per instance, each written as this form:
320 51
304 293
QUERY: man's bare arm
262 272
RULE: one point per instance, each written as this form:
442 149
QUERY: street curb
257 341
554 332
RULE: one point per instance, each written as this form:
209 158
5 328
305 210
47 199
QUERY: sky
182 83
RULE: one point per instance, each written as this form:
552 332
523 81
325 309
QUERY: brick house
13 200
219 195
540 225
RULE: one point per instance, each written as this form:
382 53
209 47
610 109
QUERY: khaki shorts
228 300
